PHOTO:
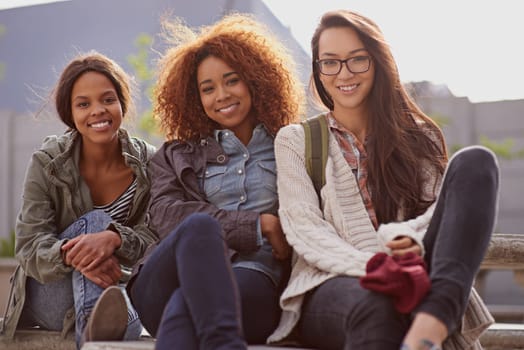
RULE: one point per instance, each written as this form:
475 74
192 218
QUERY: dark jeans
189 297
340 314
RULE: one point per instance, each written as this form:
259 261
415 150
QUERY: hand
402 245
272 230
86 251
106 273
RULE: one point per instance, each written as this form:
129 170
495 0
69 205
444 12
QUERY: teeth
347 88
227 109
100 124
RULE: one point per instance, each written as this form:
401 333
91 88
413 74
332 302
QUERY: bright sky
6 4
473 46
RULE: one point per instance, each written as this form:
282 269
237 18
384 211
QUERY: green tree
2 64
440 119
504 149
7 245
141 64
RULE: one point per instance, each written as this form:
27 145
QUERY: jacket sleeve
171 202
312 237
137 236
135 241
37 245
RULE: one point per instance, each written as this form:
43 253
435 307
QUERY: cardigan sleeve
312 237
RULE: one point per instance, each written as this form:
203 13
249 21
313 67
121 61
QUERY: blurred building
39 40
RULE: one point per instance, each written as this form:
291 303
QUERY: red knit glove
402 277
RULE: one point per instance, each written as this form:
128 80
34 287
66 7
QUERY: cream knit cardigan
339 239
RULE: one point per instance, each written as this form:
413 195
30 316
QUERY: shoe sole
106 322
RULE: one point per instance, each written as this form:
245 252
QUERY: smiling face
225 97
96 109
348 91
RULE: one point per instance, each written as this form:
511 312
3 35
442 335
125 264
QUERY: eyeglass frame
343 62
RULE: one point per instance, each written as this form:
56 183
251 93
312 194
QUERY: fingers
415 248
400 242
70 243
86 251
106 273
281 255
402 245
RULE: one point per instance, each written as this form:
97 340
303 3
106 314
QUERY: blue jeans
75 289
189 297
455 244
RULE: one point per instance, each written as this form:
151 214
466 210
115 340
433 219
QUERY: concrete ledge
505 251
38 339
150 345
500 336
503 336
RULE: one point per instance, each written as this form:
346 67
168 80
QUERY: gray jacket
54 196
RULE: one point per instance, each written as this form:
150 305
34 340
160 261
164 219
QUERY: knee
197 227
199 223
476 162
92 222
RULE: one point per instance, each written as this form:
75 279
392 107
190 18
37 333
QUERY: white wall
20 136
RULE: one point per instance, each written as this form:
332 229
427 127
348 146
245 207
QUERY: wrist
116 240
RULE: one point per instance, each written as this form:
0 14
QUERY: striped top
120 207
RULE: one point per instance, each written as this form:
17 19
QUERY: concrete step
500 336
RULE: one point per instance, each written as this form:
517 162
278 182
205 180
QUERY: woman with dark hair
82 218
222 94
391 198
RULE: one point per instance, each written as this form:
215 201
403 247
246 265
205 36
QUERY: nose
345 72
222 93
98 109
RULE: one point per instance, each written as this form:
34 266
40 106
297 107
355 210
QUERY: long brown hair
243 43
403 143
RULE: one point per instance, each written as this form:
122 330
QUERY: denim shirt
247 182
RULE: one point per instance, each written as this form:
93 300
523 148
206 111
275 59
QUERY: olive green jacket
54 196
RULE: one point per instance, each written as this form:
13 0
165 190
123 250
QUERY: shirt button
242 198
226 134
240 171
244 155
207 172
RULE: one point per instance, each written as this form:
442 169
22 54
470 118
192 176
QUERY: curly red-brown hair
261 61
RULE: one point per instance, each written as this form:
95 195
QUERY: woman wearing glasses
389 189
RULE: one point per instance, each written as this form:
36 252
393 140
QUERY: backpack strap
316 149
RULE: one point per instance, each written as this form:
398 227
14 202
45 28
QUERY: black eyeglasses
333 66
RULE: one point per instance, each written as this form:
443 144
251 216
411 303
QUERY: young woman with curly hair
214 279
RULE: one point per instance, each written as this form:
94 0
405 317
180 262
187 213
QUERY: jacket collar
64 152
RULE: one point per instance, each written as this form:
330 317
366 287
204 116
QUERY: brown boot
108 320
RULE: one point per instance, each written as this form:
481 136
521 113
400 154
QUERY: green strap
316 143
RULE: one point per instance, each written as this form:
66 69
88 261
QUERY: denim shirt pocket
267 174
212 179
